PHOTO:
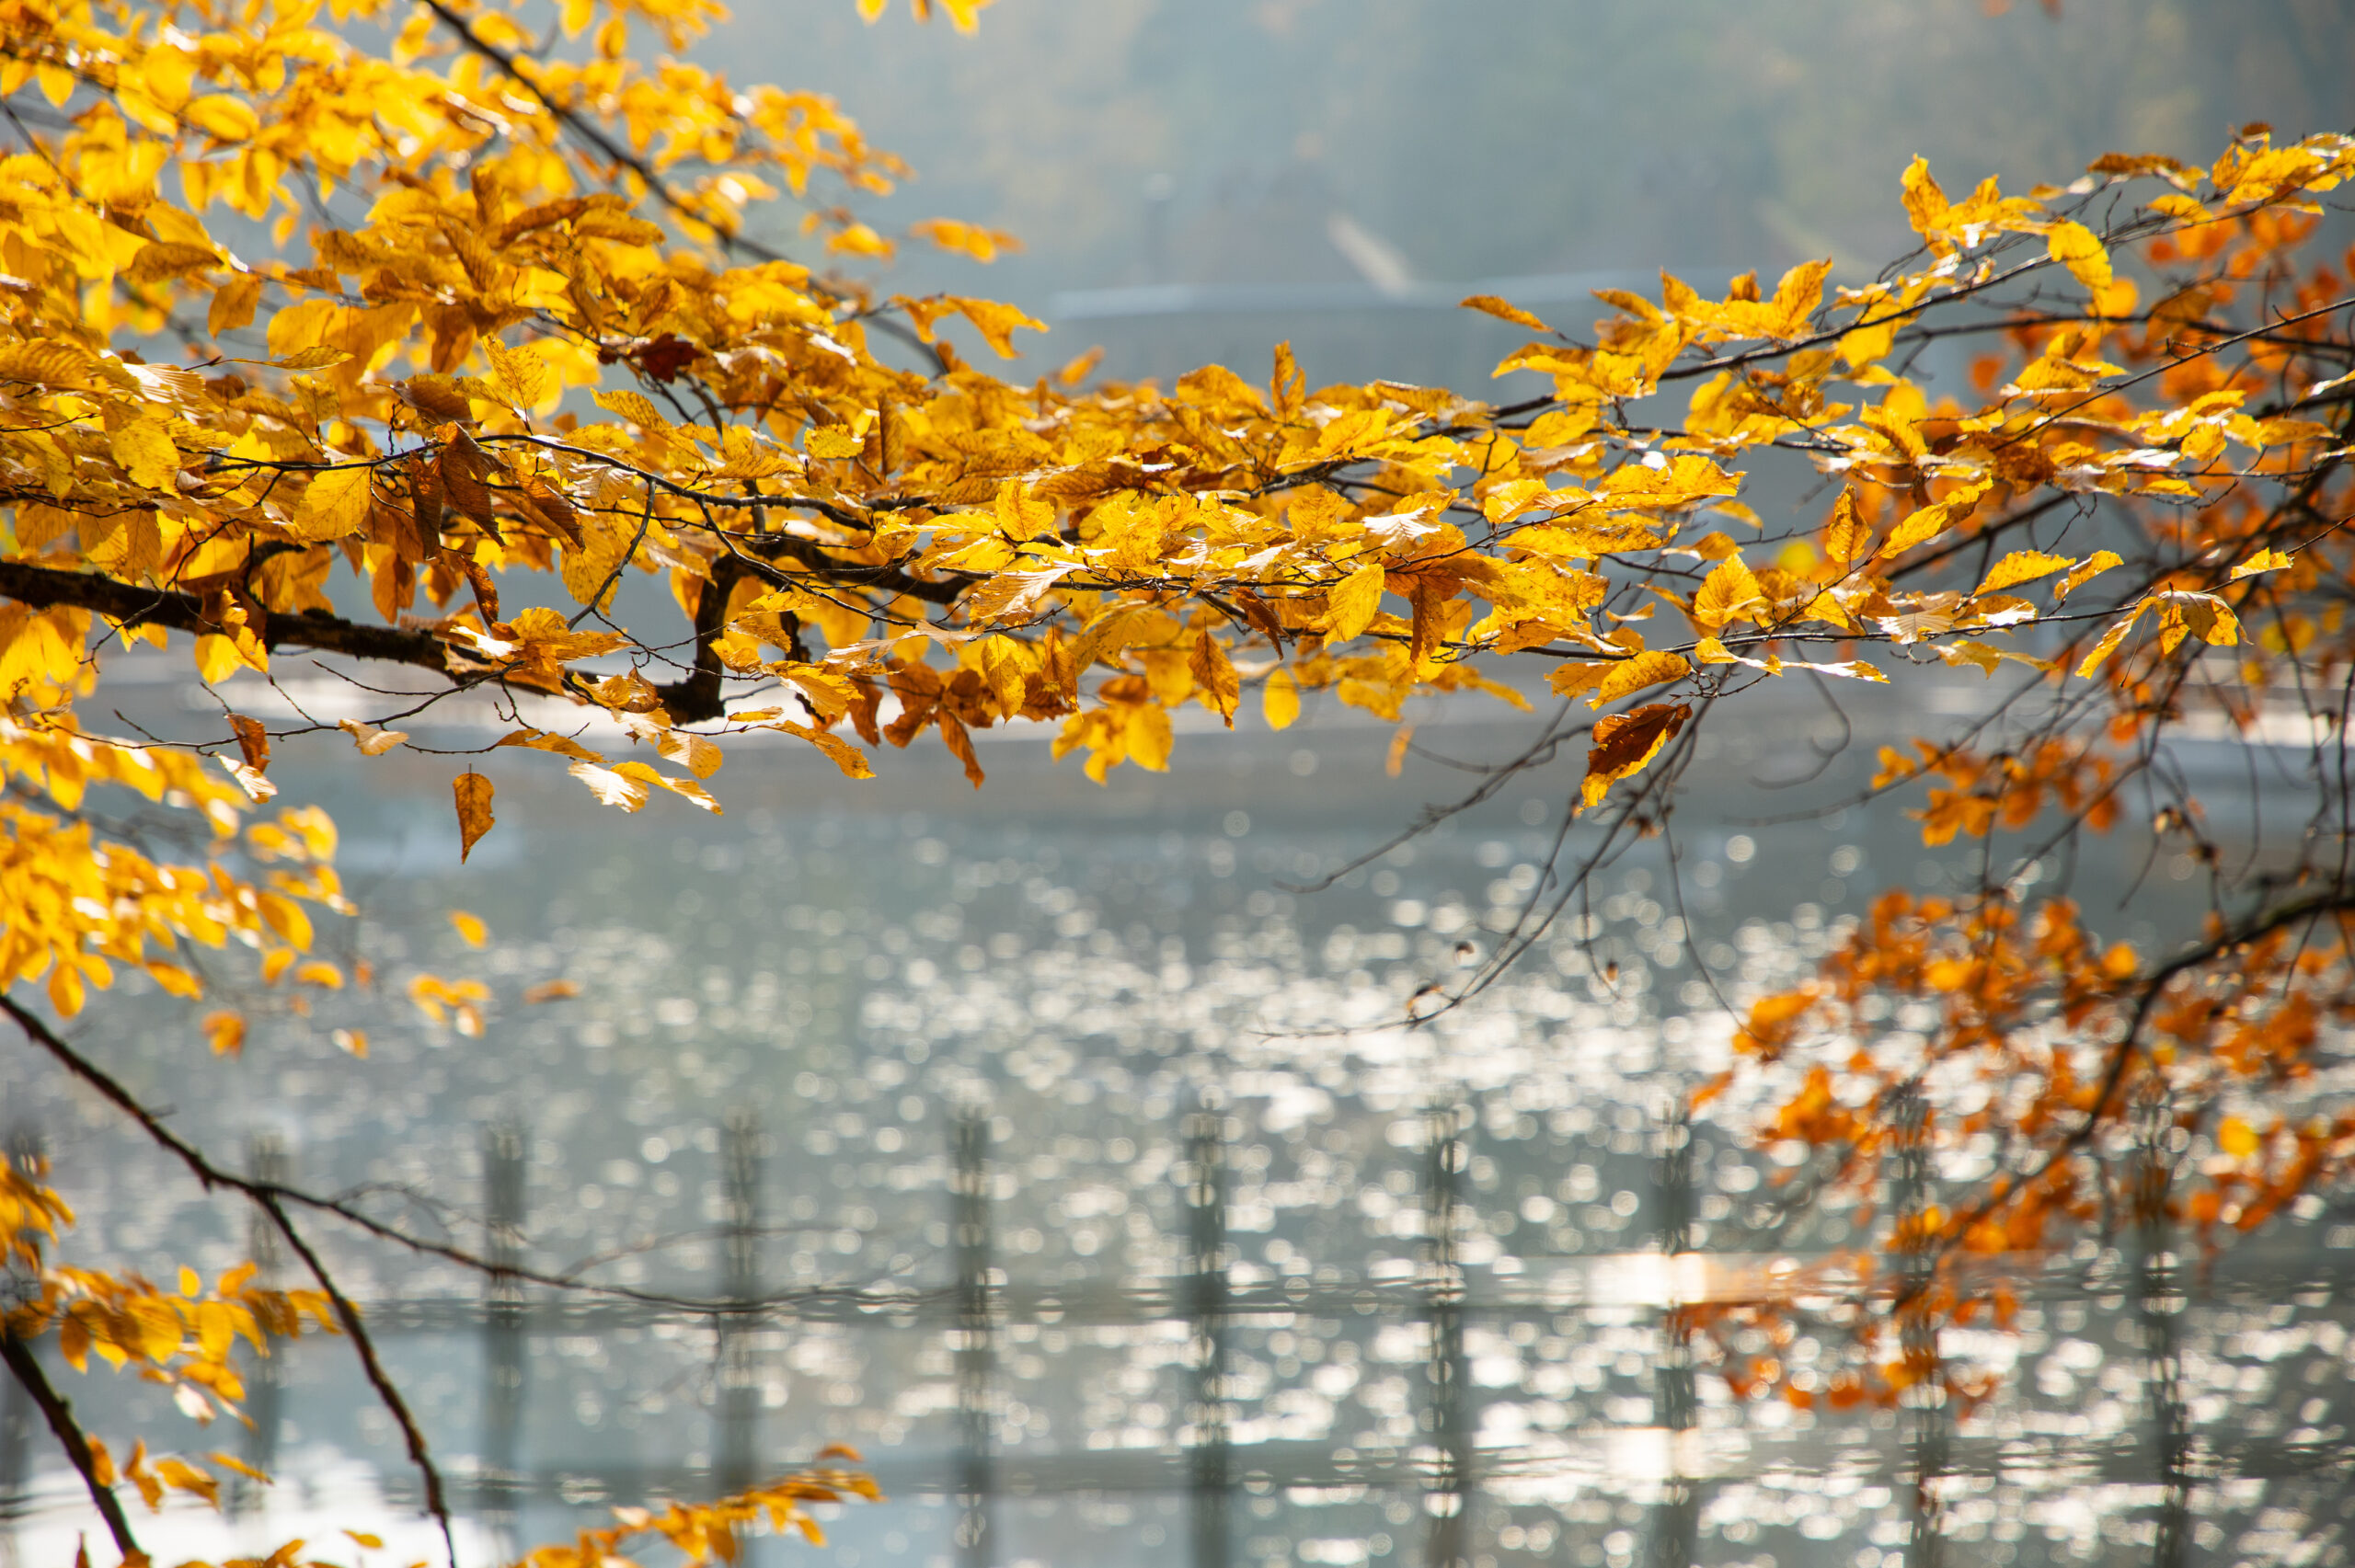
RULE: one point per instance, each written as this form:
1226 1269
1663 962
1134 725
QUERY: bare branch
26 1367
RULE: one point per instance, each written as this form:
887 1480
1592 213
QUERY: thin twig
212 1176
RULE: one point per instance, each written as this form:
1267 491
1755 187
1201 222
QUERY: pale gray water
1427 1343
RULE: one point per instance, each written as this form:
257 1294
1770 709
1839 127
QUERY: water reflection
1094 1187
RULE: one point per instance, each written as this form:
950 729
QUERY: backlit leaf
334 505
2077 247
2084 572
1626 743
2019 566
372 741
1503 310
1633 675
1353 602
472 793
1846 536
1280 700
145 449
1730 591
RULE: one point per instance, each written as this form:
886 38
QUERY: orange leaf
1504 310
472 793
1624 742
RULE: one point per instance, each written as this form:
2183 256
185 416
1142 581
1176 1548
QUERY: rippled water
1091 1185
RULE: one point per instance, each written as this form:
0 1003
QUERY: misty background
1367 147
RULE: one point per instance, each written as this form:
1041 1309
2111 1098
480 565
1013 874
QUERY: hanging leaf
1626 743
473 792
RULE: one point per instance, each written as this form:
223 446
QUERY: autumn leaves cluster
510 345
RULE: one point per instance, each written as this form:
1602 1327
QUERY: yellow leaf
470 928
2204 615
993 321
1925 524
1846 534
1214 677
1926 205
473 794
249 778
1353 603
694 753
619 787
858 239
960 742
1965 650
216 1327
1022 516
1149 736
1635 674
145 449
2090 567
687 789
217 657
2236 1137
841 753
372 741
1396 761
2019 566
230 1462
1504 310
2117 299
285 917
164 259
635 406
2263 561
223 117
983 245
1626 743
1728 593
181 1476
225 1032
541 741
521 375
1577 679
336 505
831 442
2110 640
1280 700
2079 250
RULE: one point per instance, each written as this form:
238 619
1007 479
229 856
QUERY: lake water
1038 1143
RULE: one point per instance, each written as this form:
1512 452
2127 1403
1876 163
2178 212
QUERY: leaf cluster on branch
477 331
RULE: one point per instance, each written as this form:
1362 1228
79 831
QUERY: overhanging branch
128 604
26 1367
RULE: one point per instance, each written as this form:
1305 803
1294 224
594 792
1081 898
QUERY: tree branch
60 1417
436 1504
621 157
2337 900
132 605
269 1198
698 698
